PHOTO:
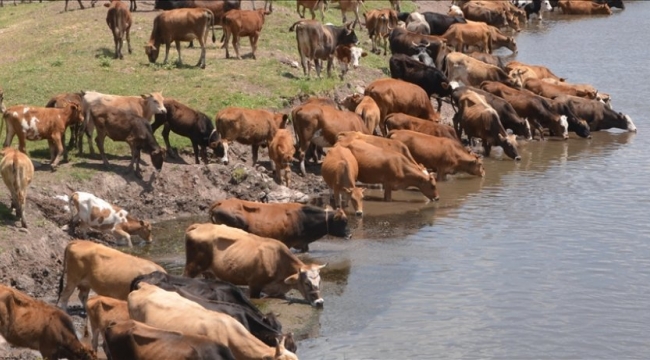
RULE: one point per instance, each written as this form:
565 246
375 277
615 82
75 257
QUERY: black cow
612 3
403 16
597 115
404 42
223 297
187 122
432 80
440 23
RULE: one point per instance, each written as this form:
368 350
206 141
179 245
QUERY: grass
46 51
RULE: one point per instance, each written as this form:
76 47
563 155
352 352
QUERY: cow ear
364 54
293 279
445 85
141 222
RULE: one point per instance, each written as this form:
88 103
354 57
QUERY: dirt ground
31 260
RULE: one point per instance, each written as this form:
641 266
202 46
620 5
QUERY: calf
346 55
17 172
311 5
119 21
102 311
180 25
36 123
281 150
76 129
237 23
460 36
185 121
379 24
430 79
400 121
90 211
246 126
366 108
340 170
31 323
444 156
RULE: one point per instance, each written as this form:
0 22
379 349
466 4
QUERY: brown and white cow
118 19
90 211
317 42
264 264
348 55
102 311
400 121
379 24
132 339
17 172
581 7
27 322
296 225
38 123
311 5
247 126
340 170
238 23
391 169
442 155
365 107
531 71
472 72
281 150
180 25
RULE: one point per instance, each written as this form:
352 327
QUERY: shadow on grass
289 75
104 52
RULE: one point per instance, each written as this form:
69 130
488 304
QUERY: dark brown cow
118 19
218 7
296 225
400 121
60 101
237 23
31 323
180 25
379 24
599 116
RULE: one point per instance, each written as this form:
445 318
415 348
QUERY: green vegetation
46 51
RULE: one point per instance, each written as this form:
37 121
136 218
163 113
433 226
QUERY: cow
132 339
582 88
319 124
37 123
580 7
247 126
379 24
118 19
550 90
365 107
531 71
492 14
498 61
348 55
612 3
536 7
353 6
180 25
27 322
400 121
597 115
242 258
442 155
88 210
92 3
237 23
61 101
102 311
472 72
340 170
185 121
2 106
312 5
295 225
345 137
499 40
440 23
318 42
416 23
461 36
391 169
281 150
478 119
108 272
430 79
218 8
17 173
404 42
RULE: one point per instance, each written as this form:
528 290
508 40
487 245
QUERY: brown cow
296 225
103 310
379 24
180 25
340 170
400 121
391 169
76 130
496 13
442 155
460 36
581 7
31 323
550 90
237 23
350 5
500 40
17 172
311 5
247 126
264 264
36 123
531 71
119 21
365 107
472 72
281 150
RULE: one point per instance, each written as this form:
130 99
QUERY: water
548 258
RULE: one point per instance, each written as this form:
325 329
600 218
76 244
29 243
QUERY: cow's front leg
388 192
58 148
255 150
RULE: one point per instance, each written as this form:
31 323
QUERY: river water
548 258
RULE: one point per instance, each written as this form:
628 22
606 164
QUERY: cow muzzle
358 213
318 303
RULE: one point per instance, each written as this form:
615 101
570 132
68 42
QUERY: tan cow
588 89
242 258
180 25
17 172
472 72
168 310
442 155
102 311
531 71
345 137
281 150
379 24
391 169
38 123
340 170
399 121
31 323
350 5
581 7
118 19
366 108
312 5
247 126
460 36
237 23
551 90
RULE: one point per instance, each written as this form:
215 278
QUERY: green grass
46 51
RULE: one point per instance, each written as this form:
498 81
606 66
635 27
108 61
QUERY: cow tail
211 18
293 27
65 263
2 123
19 177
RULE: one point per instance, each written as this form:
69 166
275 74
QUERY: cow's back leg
81 5
330 62
99 140
302 16
313 13
178 49
201 63
254 39
195 147
226 39
165 134
9 133
255 149
22 145
58 147
388 192
235 44
134 6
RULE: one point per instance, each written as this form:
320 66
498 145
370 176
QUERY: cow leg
439 100
195 147
302 16
537 126
255 150
134 5
165 134
80 4
487 147
22 146
178 49
224 159
235 44
226 39
330 62
122 236
254 39
88 127
166 53
99 140
20 207
128 37
388 192
202 59
313 14
345 18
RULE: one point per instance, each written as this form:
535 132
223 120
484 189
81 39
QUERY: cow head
351 102
512 44
337 223
454 10
476 167
281 353
515 78
144 231
509 145
629 125
307 281
579 126
428 187
421 53
356 196
616 4
158 158
546 5
76 115
347 36
152 52
512 21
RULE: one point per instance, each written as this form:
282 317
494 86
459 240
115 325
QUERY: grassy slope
46 51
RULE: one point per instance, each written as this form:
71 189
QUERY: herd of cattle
391 135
